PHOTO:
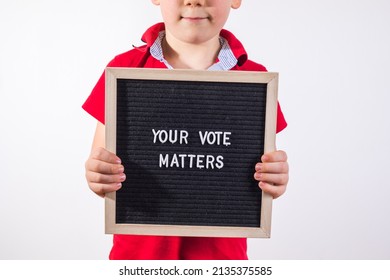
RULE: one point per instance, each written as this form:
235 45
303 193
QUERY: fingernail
258 167
122 178
119 185
257 176
118 160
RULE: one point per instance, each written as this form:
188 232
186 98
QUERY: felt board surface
182 195
189 149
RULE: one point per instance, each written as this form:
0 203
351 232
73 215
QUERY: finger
276 156
272 167
274 191
102 189
102 167
102 154
273 179
94 177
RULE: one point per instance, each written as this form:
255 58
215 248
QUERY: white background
333 57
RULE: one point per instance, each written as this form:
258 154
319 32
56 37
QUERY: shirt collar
232 43
226 59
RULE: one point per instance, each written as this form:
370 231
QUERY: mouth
194 19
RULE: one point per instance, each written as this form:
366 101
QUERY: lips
194 18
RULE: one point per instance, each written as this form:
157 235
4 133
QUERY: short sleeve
94 104
281 121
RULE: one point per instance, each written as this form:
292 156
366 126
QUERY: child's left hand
272 173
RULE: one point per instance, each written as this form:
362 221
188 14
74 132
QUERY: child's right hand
104 171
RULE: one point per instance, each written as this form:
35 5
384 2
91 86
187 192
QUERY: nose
194 2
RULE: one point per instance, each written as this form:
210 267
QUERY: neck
182 55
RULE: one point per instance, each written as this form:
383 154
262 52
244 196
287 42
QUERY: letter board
189 141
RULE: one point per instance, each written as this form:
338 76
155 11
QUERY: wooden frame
270 79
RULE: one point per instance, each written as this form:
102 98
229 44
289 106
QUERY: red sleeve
250 65
94 104
281 121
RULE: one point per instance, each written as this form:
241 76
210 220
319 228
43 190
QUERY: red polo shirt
170 247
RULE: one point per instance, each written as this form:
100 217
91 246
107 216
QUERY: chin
196 39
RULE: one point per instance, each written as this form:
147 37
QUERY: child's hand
104 172
272 173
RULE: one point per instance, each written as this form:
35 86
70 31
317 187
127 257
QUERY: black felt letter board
189 148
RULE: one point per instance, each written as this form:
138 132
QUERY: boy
190 37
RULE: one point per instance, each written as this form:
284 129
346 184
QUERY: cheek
220 16
168 14
220 13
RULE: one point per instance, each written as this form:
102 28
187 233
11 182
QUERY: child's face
195 21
